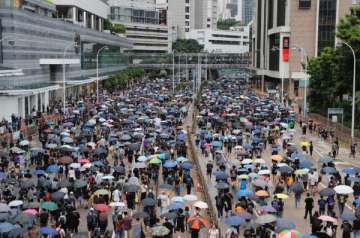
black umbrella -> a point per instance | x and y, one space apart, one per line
80 183
24 218
327 192
64 184
134 146
286 170
57 196
140 215
148 202
119 169
17 232
26 184
222 186
169 215
297 188
131 188
125 137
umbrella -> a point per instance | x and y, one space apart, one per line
245 215
169 164
131 188
26 184
64 184
347 217
155 161
190 197
264 219
276 157
169 215
260 183
297 188
65 160
284 224
148 202
290 234
222 186
102 207
51 206
25 218
166 186
140 215
234 221
201 204
33 205
220 175
102 192
244 193
329 170
125 137
177 199
305 164
286 169
325 159
301 171
80 183
16 232
247 161
57 196
327 219
343 189
262 193
67 140
196 222
142 158
176 205
327 192
351 170
48 231
16 203
268 209
24 143
5 227
31 211
181 159
52 168
75 165
186 165
117 204
159 231
264 172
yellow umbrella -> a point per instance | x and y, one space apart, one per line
154 161
262 193
277 158
102 192
243 176
154 156
305 143
281 196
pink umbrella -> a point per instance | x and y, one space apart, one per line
84 161
31 211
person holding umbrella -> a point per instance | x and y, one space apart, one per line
309 205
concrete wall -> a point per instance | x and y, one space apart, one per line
96 7
9 105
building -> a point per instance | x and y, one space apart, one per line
35 46
281 28
219 41
245 11
211 20
145 22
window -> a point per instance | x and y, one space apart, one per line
187 1
304 4
271 14
187 17
327 22
281 12
187 9
274 55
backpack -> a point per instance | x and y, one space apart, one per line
62 220
275 205
90 219
233 235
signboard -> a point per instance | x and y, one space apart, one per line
335 110
334 113
286 49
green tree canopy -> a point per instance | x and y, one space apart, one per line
225 24
187 46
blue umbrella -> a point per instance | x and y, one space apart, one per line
351 170
142 158
39 172
181 159
48 231
267 208
354 179
248 147
234 221
216 144
325 159
97 163
329 170
181 137
305 164
221 175
6 227
176 206
186 165
284 224
244 193
169 164
52 168
347 217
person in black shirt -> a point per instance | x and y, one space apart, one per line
347 229
170 226
209 168
309 205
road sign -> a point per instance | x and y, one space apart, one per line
335 110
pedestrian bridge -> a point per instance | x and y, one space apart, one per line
191 60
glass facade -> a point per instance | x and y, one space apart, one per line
327 24
281 12
274 52
271 14
129 15
258 34
108 57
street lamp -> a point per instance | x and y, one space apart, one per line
179 65
304 55
354 90
173 71
97 71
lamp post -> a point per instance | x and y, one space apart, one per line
186 68
179 73
304 55
173 71
97 72
354 91
64 78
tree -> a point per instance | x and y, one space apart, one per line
187 46
225 24
122 79
119 28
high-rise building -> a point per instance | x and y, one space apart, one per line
145 22
280 26
246 10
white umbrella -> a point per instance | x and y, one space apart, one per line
343 189
177 199
117 204
109 177
190 197
201 204
24 143
264 172
247 161
75 165
259 161
16 203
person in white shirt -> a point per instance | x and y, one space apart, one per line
116 195
213 232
